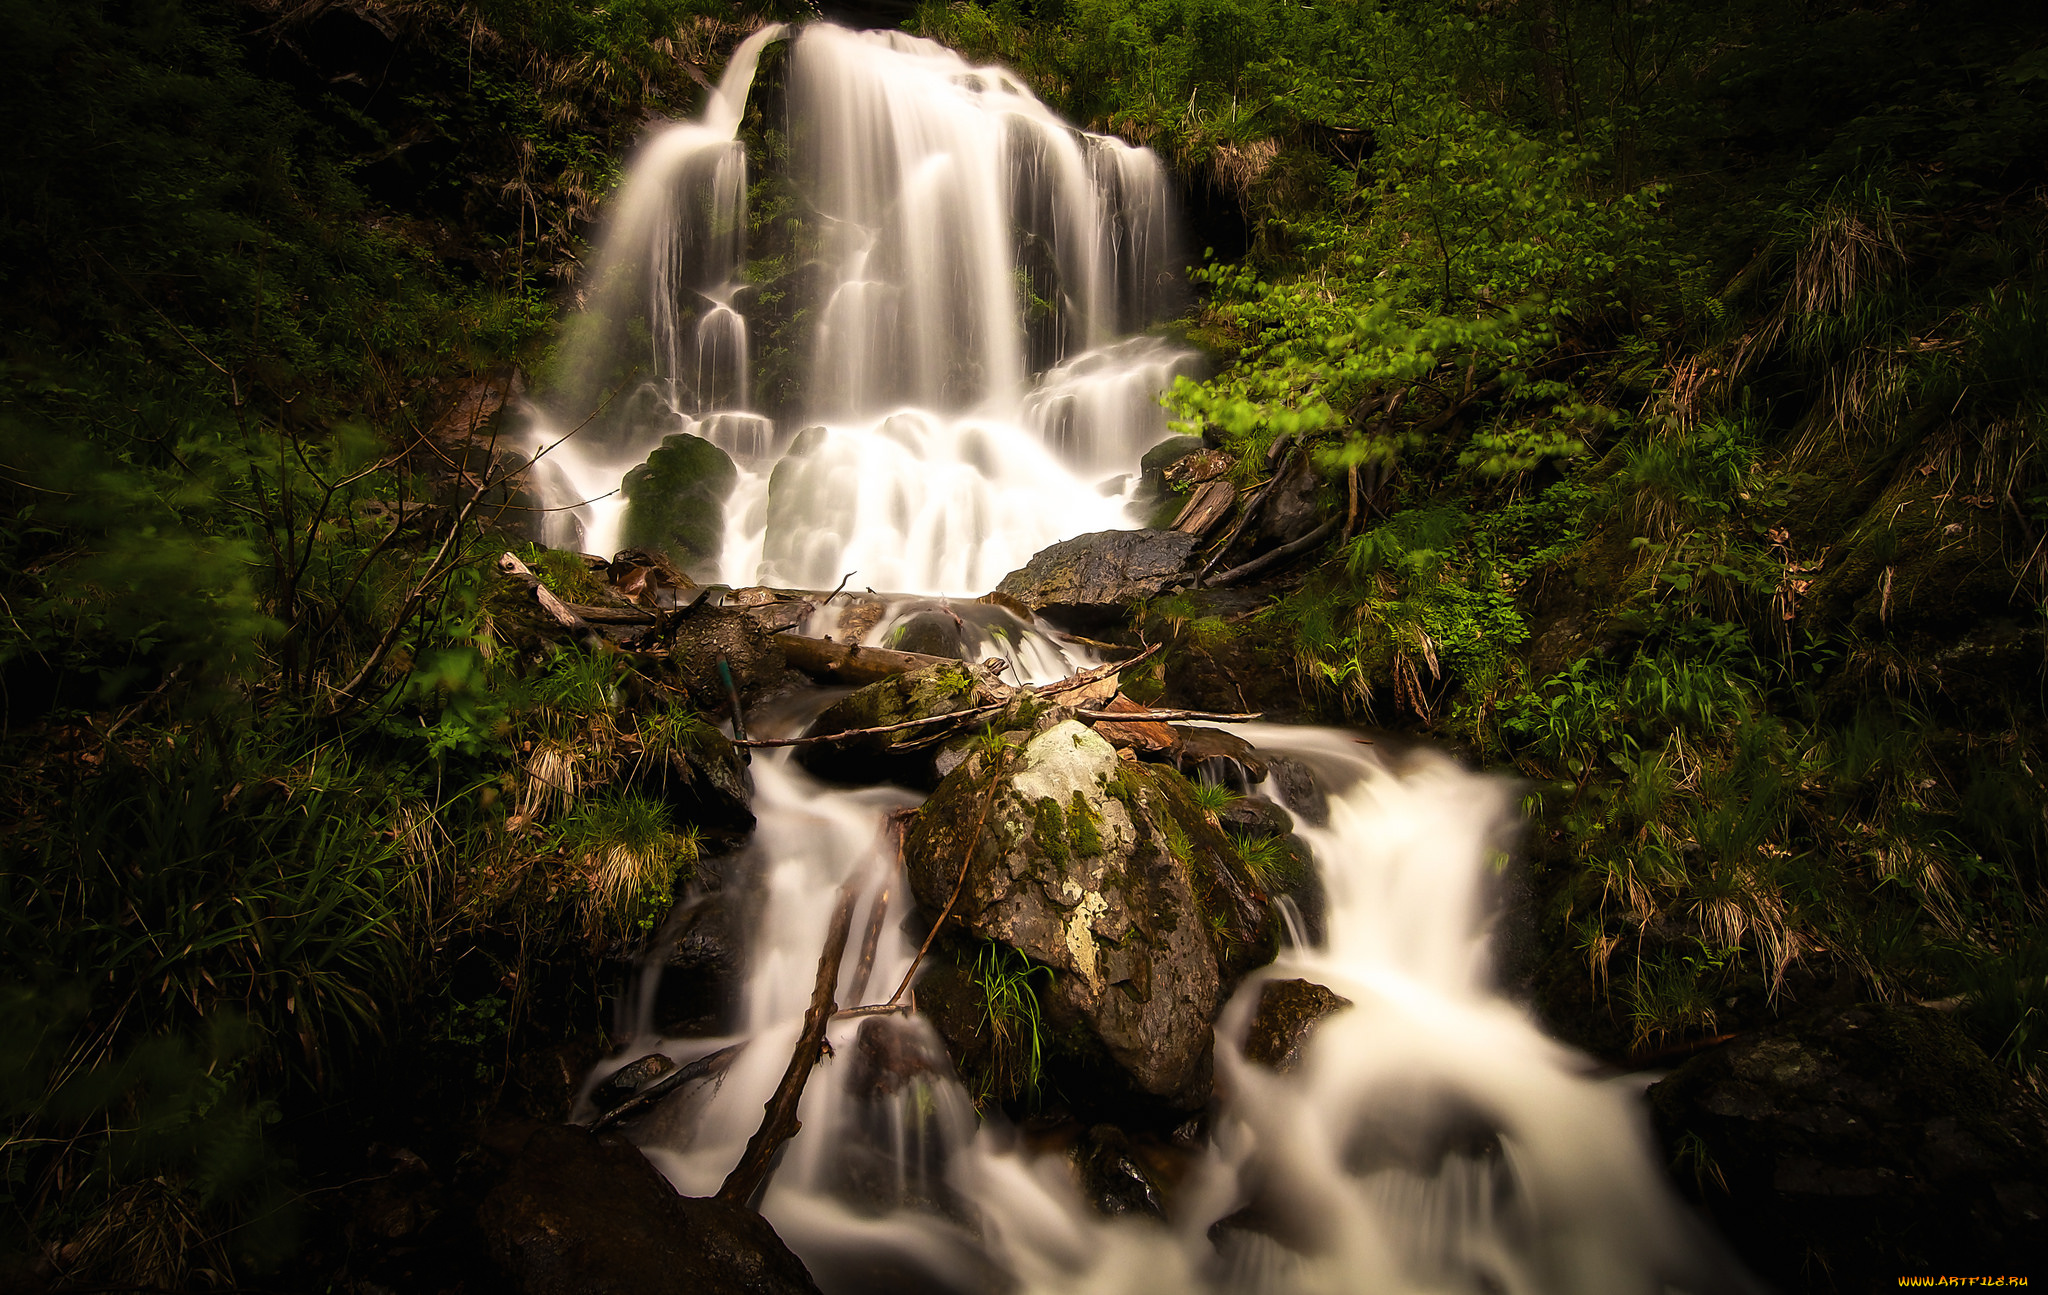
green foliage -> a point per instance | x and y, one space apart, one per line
1212 797
1012 1022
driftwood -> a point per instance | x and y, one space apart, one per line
564 615
1089 676
778 1120
1208 505
704 1067
844 734
1147 735
1275 557
830 662
1147 716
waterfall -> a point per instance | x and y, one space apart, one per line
977 384
975 277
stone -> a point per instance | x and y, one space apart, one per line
1152 467
675 503
1288 1013
1109 873
1256 817
1298 789
905 756
584 1214
931 633
1114 1178
705 781
1862 1142
1092 580
703 957
1218 755
630 1078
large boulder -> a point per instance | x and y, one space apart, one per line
1844 1148
675 502
583 1214
907 755
1109 873
1092 580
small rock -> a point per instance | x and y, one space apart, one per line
1092 580
905 756
630 1078
1112 1178
1288 1013
1256 817
1292 508
1225 757
1298 789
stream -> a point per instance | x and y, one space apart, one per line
979 385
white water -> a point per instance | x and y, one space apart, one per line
941 198
1432 1140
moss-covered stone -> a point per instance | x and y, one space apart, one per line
1110 874
908 756
675 502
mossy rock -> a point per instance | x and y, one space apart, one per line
1110 874
905 756
675 503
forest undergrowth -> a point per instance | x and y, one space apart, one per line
1676 372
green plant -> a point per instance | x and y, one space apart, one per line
1212 797
628 856
1007 984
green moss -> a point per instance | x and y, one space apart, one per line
1084 835
1050 829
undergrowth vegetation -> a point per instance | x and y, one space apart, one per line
1675 375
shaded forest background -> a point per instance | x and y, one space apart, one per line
1679 372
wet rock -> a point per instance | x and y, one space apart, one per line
907 755
1298 789
1106 871
704 780
703 965
932 633
1219 756
1152 468
675 502
1113 1178
1255 817
580 1214
903 1116
1092 580
1288 1013
629 1079
1841 1149
704 635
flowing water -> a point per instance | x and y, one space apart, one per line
978 378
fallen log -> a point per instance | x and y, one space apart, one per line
564 615
1146 735
778 1120
830 662
704 1067
1274 558
1143 716
846 733
1089 676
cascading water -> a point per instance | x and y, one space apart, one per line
980 267
974 270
